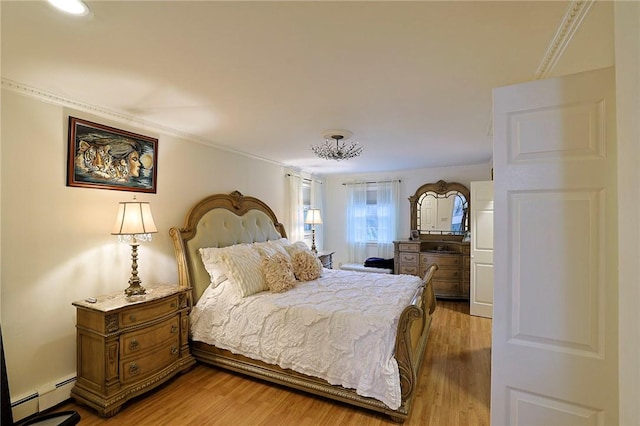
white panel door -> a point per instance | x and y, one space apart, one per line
481 297
554 351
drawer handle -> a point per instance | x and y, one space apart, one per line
132 318
133 345
174 350
134 369
174 329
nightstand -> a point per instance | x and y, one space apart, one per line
326 258
130 345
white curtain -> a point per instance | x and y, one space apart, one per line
295 208
317 202
357 222
363 242
388 203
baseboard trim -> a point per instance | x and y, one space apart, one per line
48 396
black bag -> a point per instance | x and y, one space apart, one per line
378 262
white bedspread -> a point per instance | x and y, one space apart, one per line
341 328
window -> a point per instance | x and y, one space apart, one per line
372 219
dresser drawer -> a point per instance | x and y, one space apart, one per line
136 368
446 287
141 314
409 247
441 260
447 274
409 258
141 340
408 270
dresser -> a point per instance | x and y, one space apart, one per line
451 280
127 346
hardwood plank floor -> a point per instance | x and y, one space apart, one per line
454 389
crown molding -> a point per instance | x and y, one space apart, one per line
573 16
52 98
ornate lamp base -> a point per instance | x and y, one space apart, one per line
134 288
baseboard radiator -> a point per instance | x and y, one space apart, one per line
46 396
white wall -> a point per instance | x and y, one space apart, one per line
335 224
56 245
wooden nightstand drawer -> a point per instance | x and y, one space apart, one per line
141 314
141 340
140 367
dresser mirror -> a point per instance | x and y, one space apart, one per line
440 208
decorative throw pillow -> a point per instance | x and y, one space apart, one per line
269 248
296 247
306 265
244 267
212 260
278 272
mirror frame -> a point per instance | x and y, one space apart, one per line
440 187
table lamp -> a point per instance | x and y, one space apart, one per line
313 218
134 224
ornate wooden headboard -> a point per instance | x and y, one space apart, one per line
220 220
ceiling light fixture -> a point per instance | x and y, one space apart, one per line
335 147
73 7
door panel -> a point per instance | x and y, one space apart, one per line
554 354
481 297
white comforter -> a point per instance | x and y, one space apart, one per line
340 328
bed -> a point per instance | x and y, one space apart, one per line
233 220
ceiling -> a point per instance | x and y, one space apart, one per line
411 80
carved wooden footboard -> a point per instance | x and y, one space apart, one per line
203 229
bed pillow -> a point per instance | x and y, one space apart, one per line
269 248
212 260
244 267
297 247
278 272
306 265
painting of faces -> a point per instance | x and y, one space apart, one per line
108 158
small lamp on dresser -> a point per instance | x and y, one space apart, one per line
313 218
133 225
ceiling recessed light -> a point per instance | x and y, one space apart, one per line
73 7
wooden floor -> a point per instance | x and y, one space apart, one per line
454 389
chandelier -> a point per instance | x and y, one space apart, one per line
335 146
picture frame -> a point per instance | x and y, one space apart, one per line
415 235
104 157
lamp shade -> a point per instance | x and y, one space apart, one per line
134 217
313 217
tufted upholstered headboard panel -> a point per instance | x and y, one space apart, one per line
218 221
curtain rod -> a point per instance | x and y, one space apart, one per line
377 181
303 178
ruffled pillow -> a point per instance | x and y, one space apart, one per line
306 265
296 247
278 272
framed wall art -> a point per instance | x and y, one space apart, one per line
107 158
